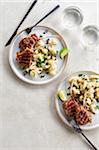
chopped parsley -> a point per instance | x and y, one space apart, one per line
97 80
97 106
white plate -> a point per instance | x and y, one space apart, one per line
64 85
61 63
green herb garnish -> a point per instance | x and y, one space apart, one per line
97 80
97 107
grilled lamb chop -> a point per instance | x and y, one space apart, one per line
25 58
78 112
28 42
83 116
70 107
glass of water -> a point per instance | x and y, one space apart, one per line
72 17
90 36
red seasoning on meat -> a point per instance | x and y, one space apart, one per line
35 37
28 42
25 57
78 112
70 107
83 116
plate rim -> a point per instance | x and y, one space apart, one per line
26 79
57 108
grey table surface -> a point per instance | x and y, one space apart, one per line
28 120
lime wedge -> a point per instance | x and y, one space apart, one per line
63 52
61 95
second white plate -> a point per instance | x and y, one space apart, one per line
64 86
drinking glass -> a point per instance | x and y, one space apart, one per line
72 17
90 36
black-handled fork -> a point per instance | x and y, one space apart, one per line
77 128
28 30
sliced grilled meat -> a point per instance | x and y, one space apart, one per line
70 107
28 42
83 116
25 57
35 37
78 112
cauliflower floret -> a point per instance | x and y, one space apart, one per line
94 77
52 42
86 78
33 73
44 51
73 79
75 91
40 43
88 94
52 51
92 108
84 85
97 92
74 83
97 84
88 101
52 69
81 98
80 80
52 72
50 62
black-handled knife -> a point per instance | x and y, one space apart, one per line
15 32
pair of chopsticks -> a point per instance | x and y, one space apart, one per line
28 30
